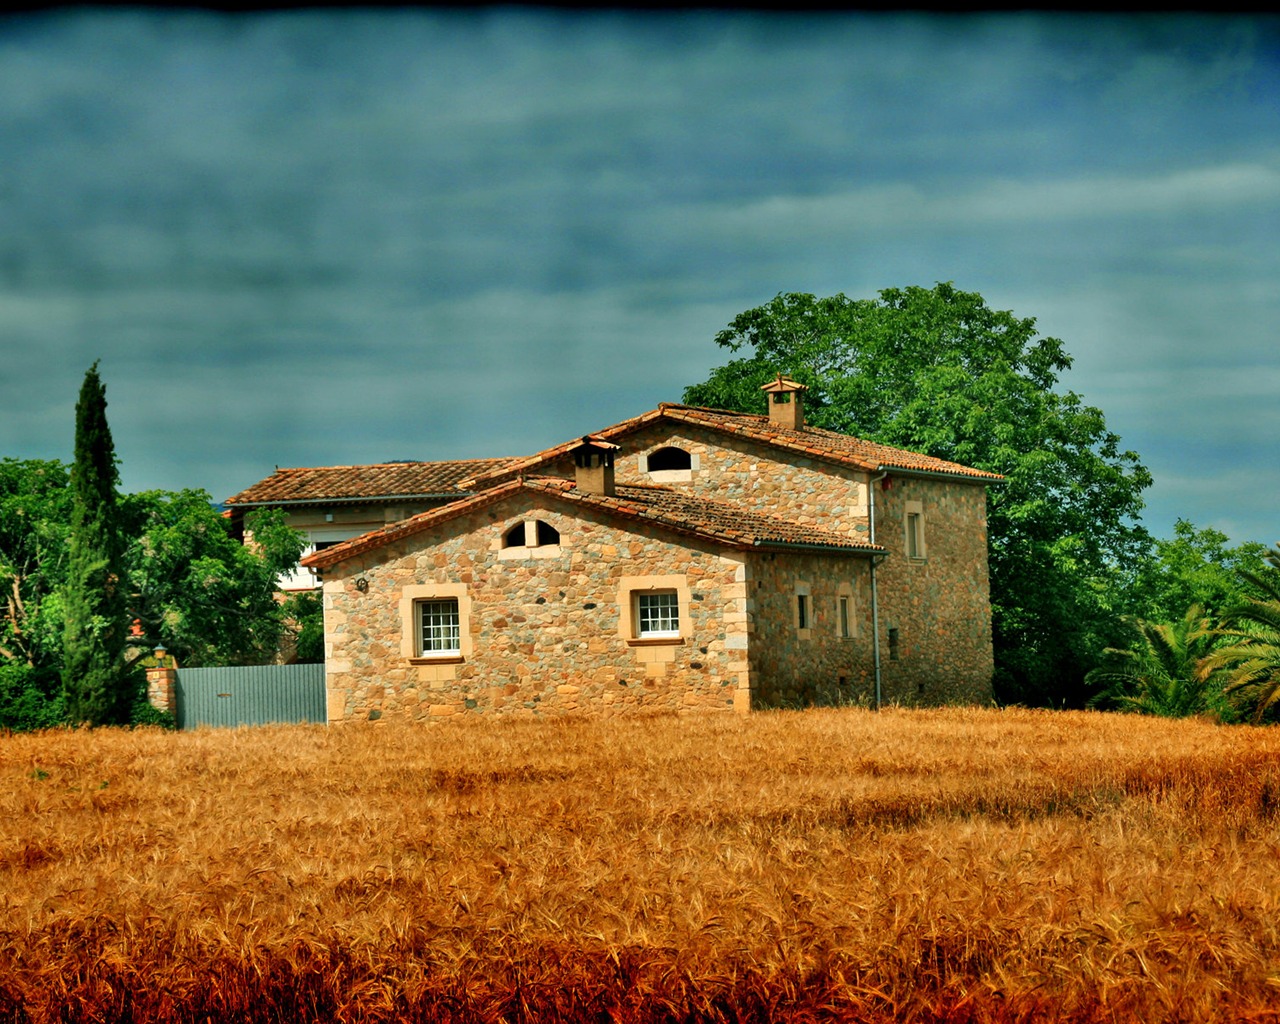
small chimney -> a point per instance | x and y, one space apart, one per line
785 407
593 462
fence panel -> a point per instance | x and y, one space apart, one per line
250 695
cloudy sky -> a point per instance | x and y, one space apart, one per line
324 237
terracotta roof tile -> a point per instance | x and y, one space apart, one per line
716 521
386 481
812 442
704 517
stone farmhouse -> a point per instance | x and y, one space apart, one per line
687 559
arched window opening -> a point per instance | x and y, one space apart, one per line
669 458
514 537
547 534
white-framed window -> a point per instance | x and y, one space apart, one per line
654 610
914 526
438 627
657 614
435 622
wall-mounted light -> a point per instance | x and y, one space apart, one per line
362 585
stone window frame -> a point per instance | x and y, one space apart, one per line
846 624
629 590
913 530
802 610
671 476
411 597
533 546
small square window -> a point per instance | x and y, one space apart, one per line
658 614
438 627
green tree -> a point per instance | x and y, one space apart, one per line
1251 657
193 587
209 599
94 680
304 619
937 371
1195 566
35 512
1163 673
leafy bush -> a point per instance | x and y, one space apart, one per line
29 699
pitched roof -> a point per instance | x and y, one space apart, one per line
811 442
715 521
385 481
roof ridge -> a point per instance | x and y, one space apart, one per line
398 462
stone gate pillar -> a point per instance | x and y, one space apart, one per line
162 683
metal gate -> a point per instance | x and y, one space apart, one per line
250 695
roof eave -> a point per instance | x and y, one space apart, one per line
939 474
831 549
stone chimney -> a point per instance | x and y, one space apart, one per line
785 406
593 462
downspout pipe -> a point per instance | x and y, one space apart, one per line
875 600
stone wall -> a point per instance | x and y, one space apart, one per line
940 604
734 469
546 633
793 665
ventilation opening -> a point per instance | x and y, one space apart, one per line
670 458
547 534
514 537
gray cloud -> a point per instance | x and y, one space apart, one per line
327 237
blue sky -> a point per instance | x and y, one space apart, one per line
330 237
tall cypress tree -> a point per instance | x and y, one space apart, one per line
93 676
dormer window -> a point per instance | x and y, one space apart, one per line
530 538
669 458
670 465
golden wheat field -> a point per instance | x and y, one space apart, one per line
951 865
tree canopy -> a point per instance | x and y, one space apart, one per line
208 598
192 586
1194 566
936 370
35 517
